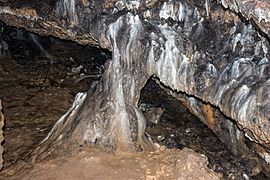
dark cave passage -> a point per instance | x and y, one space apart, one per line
39 78
171 124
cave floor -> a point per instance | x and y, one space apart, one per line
96 164
37 92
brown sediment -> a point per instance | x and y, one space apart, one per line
210 115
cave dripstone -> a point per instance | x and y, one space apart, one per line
215 52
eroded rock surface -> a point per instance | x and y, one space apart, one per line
256 11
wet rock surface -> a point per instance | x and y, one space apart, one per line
255 11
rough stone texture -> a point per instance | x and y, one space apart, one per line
256 11
1 136
195 47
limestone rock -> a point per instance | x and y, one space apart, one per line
256 11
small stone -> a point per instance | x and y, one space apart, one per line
157 145
160 138
162 148
188 130
150 178
245 177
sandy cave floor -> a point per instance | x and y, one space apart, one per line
95 164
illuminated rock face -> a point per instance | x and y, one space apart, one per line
193 47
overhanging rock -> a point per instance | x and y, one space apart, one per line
196 47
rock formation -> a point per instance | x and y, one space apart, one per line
211 55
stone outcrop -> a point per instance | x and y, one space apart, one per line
217 57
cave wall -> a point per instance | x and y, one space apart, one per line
255 11
197 47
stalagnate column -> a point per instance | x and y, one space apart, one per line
108 114
118 92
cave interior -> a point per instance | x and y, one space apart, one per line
41 75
